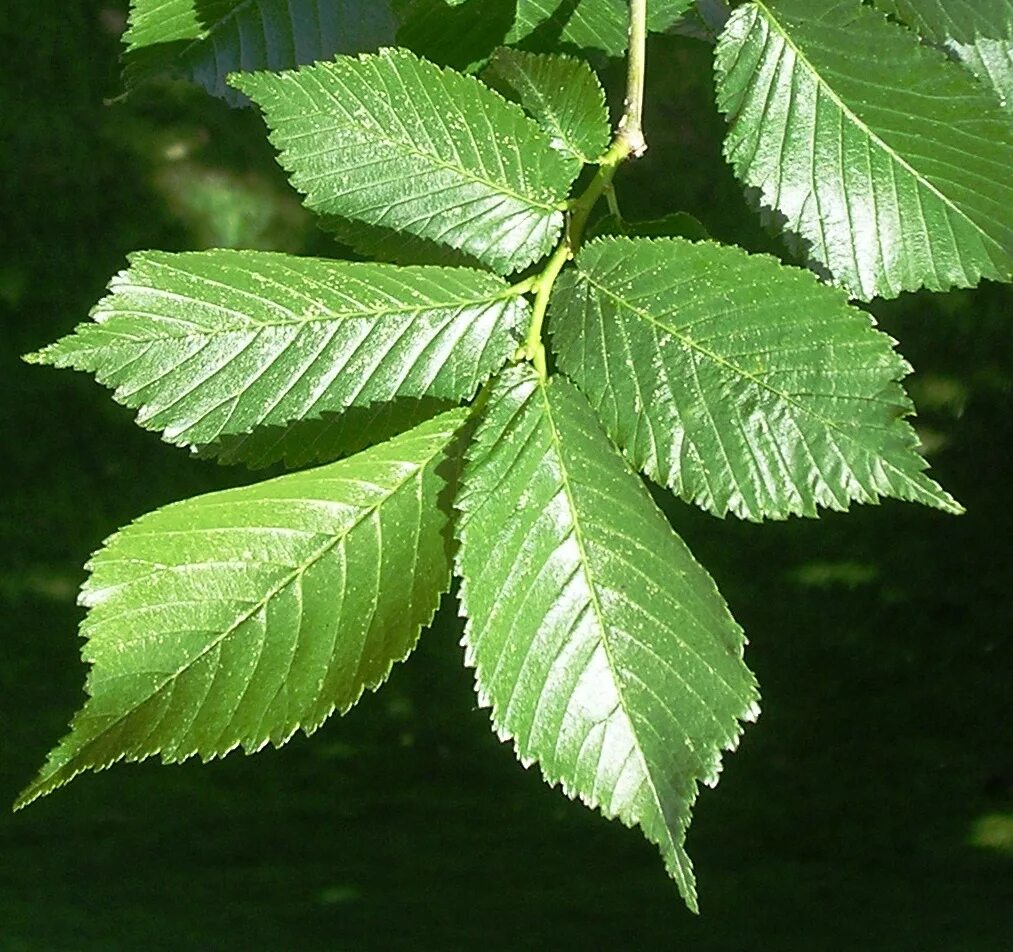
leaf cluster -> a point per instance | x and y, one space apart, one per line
487 394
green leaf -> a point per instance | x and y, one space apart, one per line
891 164
326 438
592 24
743 385
602 646
960 20
204 40
207 344
978 32
237 618
562 94
395 141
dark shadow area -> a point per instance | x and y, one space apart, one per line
325 438
461 36
869 808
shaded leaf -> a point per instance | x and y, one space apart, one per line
208 344
743 385
237 618
376 243
892 165
673 225
592 24
205 40
602 646
703 21
395 141
978 32
462 35
326 438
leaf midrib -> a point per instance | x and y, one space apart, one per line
857 121
507 294
39 787
412 149
598 610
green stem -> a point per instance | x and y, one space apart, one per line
631 127
629 141
534 348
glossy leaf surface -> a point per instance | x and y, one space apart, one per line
889 163
745 386
395 141
205 40
237 618
562 94
604 649
208 344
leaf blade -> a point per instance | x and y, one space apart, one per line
213 344
228 620
591 24
885 159
743 385
562 94
601 645
205 42
393 140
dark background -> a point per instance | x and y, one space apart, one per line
870 808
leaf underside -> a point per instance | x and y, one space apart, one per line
889 162
377 243
205 40
395 141
743 385
601 645
237 618
213 344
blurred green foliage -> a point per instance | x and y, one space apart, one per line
870 808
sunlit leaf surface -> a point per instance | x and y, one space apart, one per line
602 646
890 163
395 141
237 618
562 94
212 344
745 386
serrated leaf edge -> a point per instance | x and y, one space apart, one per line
942 499
683 875
87 598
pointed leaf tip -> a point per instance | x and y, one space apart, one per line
210 346
237 618
744 385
